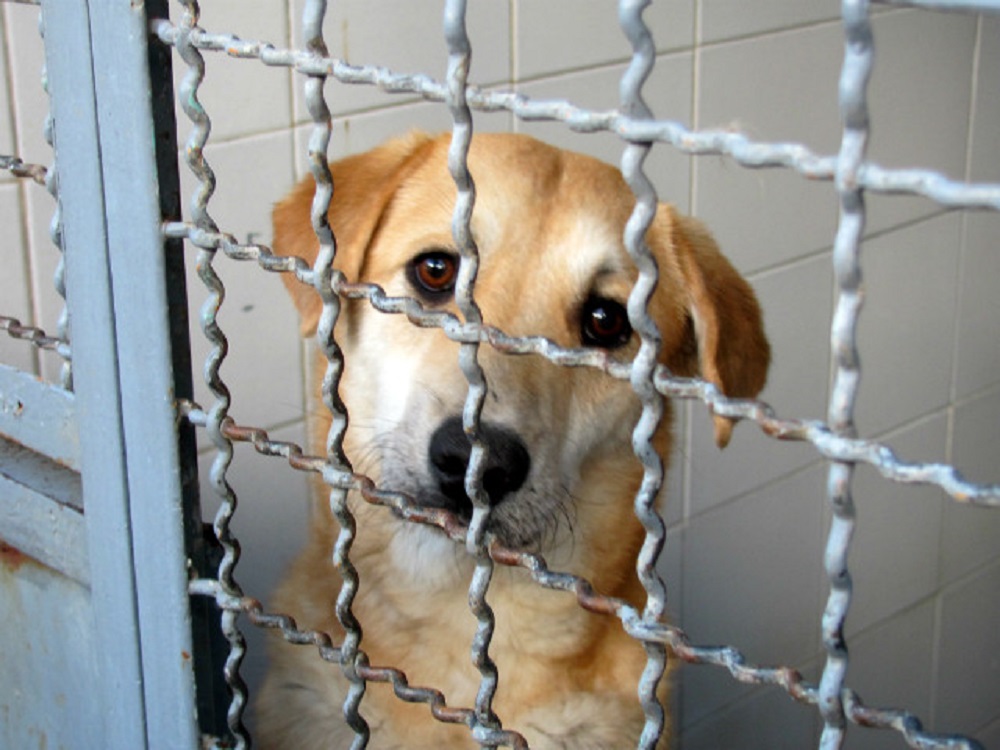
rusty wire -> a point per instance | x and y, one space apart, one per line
36 336
18 168
486 728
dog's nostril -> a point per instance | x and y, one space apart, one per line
507 463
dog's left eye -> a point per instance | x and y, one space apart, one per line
604 323
433 273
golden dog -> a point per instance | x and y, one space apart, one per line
560 474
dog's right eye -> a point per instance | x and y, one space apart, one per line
604 323
433 274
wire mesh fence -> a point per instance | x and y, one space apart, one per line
835 438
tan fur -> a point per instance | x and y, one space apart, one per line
548 224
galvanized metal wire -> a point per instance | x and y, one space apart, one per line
18 168
352 658
735 145
195 159
846 260
835 439
486 729
645 362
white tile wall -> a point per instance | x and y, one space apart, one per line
986 124
724 19
978 358
7 142
14 289
356 32
892 665
906 335
969 679
797 386
897 552
738 577
553 36
744 549
767 217
914 124
970 534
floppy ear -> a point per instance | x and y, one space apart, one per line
363 186
732 350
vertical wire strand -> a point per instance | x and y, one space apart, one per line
459 62
855 74
194 156
326 279
644 364
55 234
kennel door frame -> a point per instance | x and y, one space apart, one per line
116 267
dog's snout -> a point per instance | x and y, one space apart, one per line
507 463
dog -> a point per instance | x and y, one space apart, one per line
560 474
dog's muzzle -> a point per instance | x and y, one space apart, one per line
506 469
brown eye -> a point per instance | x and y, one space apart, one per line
604 323
433 273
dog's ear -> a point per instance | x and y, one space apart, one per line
724 317
364 185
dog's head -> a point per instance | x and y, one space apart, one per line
560 473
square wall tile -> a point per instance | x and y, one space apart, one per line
555 36
797 302
242 96
894 555
977 356
765 720
263 366
968 686
45 256
970 533
725 19
670 567
271 523
751 578
668 93
405 37
28 100
768 216
8 143
892 667
985 163
906 328
15 294
919 99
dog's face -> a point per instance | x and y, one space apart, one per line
559 474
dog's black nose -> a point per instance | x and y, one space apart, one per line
507 464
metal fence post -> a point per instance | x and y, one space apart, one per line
133 478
